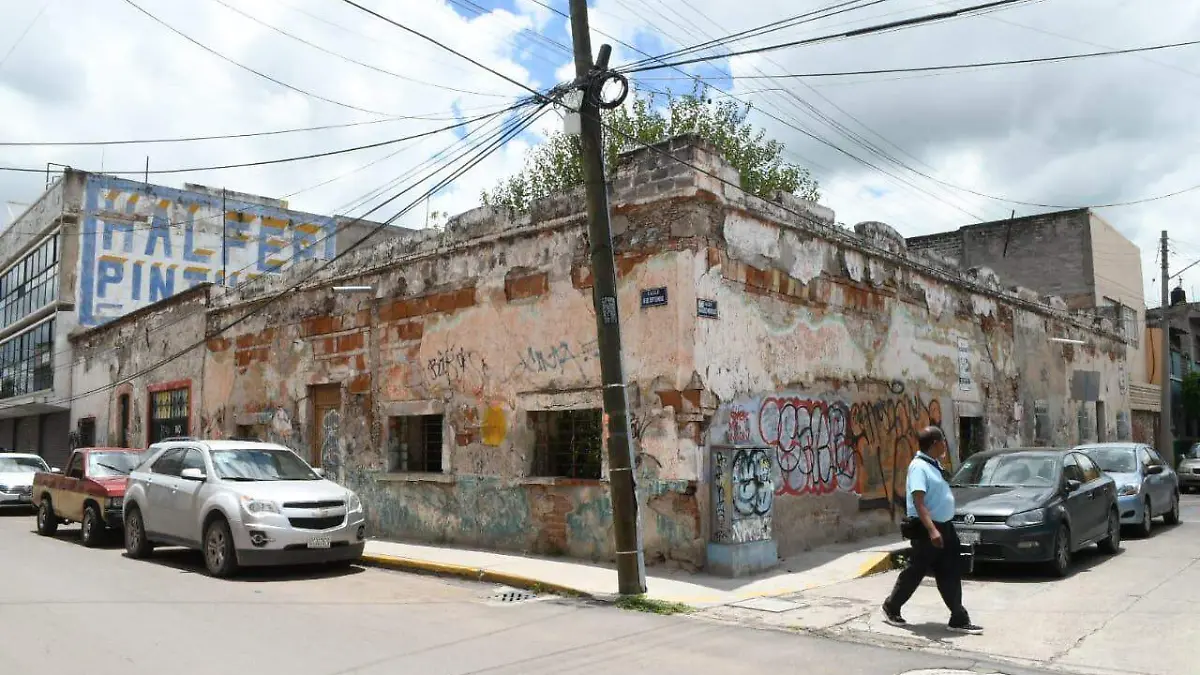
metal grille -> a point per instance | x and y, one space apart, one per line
325 504
168 414
415 443
316 523
568 443
506 595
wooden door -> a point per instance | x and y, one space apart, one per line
326 420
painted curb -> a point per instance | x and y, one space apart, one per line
471 573
883 561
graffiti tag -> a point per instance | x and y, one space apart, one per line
556 358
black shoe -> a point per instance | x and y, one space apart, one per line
893 618
968 628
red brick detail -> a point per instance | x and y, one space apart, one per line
319 326
219 344
410 330
169 386
448 301
531 286
581 277
628 261
714 257
349 343
360 362
361 384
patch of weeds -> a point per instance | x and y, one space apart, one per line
640 603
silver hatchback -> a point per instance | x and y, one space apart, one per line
241 503
1189 469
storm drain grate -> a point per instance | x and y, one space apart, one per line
507 596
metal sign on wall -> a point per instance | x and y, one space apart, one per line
706 308
964 364
654 297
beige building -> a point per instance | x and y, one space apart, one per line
461 395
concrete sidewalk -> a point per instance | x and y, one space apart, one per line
812 569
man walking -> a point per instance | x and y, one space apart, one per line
930 527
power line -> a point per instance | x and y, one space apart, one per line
248 69
254 134
870 30
349 59
21 37
283 160
260 304
959 66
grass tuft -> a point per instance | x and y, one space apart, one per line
640 603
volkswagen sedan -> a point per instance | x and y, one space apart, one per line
1037 505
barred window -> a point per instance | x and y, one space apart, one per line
568 443
169 414
415 443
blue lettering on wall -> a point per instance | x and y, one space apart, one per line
160 230
112 271
137 280
162 282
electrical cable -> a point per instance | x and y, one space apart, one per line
860 32
351 60
499 138
284 160
957 66
248 69
24 33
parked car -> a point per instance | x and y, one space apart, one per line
89 493
241 503
16 478
1034 505
1189 469
1146 486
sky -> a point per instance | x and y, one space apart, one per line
922 152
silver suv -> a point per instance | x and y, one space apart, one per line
243 504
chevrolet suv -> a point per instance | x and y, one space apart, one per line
242 504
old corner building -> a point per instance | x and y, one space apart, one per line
461 396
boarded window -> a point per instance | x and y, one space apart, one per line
415 443
1042 433
568 443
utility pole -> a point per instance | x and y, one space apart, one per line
1166 445
631 564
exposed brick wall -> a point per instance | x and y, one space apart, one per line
521 287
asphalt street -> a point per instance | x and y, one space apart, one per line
1133 613
65 608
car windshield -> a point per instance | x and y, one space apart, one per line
112 464
261 464
1113 460
1008 470
22 465
1194 453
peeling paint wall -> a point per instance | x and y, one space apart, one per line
826 347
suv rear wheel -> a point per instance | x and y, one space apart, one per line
219 555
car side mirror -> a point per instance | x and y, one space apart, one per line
1072 485
1155 469
192 474
320 472
56 470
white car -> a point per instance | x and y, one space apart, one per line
242 504
16 478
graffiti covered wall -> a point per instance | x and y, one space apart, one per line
142 243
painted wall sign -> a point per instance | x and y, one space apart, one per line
143 243
964 364
706 308
654 297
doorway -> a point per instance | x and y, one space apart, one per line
123 421
326 422
970 436
1101 426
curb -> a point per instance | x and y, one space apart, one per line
470 573
884 561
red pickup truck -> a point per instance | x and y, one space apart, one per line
90 492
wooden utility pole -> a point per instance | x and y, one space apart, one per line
1166 444
631 565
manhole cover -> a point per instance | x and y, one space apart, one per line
508 596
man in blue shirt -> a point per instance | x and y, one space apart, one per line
935 545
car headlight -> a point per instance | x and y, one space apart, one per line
353 503
116 502
257 506
1129 490
1027 518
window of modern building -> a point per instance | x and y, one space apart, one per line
27 361
31 284
169 414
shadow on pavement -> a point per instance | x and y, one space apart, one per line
1082 562
192 562
17 511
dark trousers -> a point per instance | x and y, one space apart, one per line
946 565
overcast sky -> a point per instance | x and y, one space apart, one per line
1093 131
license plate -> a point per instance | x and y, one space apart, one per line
27 499
319 542
968 538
